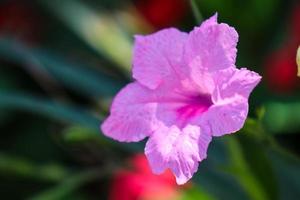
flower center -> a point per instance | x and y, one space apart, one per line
194 106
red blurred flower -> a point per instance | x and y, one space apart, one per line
18 20
281 71
163 13
295 23
281 67
141 184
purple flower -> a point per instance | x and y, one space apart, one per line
187 90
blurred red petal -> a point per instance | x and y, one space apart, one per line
281 70
295 22
142 184
164 13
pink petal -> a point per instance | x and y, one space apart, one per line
176 149
233 81
230 97
202 79
225 119
180 104
132 116
211 46
157 57
137 111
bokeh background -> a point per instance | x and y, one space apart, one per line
61 63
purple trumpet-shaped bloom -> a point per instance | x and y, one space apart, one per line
187 89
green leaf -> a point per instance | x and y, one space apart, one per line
67 187
196 193
260 112
212 177
15 166
248 174
77 134
98 30
59 111
82 79
263 171
288 175
229 9
282 117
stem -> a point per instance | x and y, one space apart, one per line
196 11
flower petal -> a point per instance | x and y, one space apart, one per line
232 82
230 97
157 58
178 150
211 46
137 111
132 115
225 119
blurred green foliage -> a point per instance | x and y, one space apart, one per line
64 95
